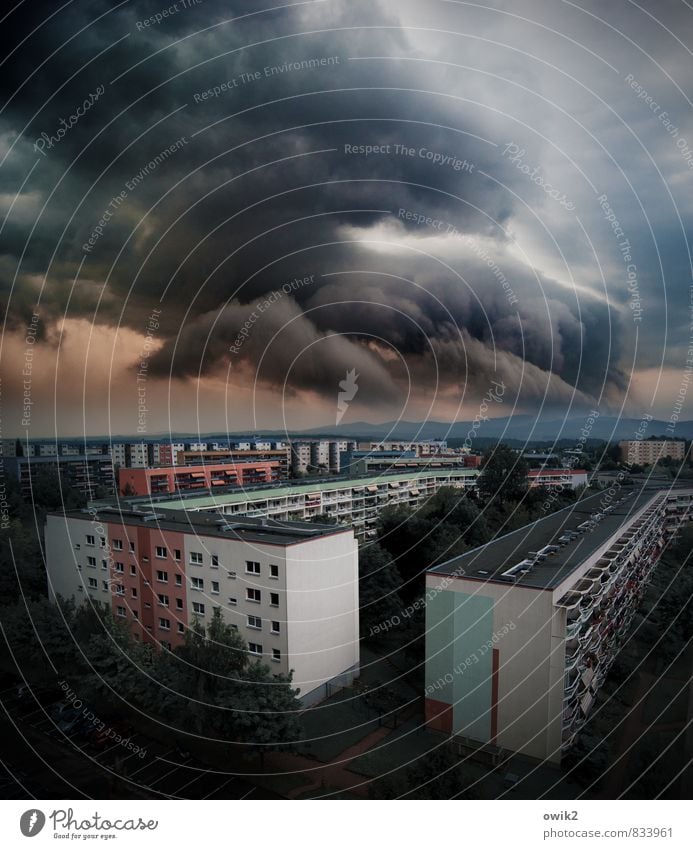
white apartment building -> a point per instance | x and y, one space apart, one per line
290 589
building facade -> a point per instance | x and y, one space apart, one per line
353 501
89 474
521 632
646 452
557 478
163 480
291 590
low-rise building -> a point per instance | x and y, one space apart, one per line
291 590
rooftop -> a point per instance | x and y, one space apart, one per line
566 531
210 524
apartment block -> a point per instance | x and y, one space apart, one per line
289 589
173 479
233 455
300 458
371 462
90 474
557 478
521 632
353 501
646 452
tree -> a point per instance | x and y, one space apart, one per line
504 475
438 774
231 697
379 582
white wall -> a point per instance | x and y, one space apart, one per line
322 607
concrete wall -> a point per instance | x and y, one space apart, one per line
322 607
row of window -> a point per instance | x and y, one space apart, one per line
255 622
252 567
256 648
116 544
165 625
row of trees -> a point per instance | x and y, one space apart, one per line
208 686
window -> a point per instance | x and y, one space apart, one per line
120 589
276 655
196 558
215 560
147 606
255 622
179 580
133 570
179 604
215 587
162 577
165 624
233 600
91 561
102 541
120 567
275 626
117 545
163 599
252 567
132 547
197 583
181 628
176 553
90 540
231 574
104 564
135 614
274 599
133 592
161 551
104 585
254 648
120 611
93 584
198 607
253 595
274 570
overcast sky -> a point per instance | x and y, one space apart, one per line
188 211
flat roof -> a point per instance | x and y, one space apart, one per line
260 493
207 524
489 561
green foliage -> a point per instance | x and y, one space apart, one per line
437 775
504 475
379 583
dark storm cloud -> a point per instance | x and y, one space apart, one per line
256 205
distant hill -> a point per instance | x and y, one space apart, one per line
515 427
524 428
